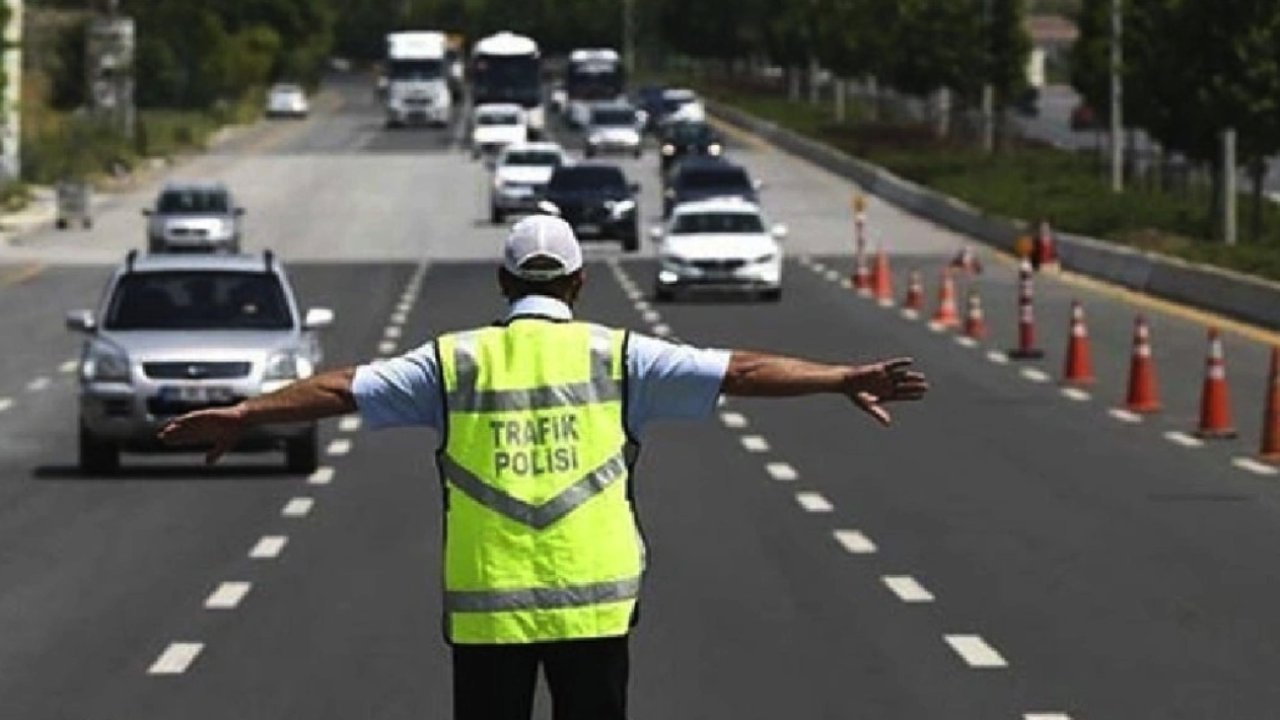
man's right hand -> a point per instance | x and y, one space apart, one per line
218 428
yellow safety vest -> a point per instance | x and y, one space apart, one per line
541 541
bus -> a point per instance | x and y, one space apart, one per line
507 68
592 75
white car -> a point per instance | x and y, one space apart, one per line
520 176
718 244
496 126
287 100
613 128
682 105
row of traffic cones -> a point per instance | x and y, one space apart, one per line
1142 395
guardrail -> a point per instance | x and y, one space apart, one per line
1225 292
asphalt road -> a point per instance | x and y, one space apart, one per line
1005 551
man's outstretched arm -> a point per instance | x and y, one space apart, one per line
320 396
867 386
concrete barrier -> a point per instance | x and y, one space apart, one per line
1233 294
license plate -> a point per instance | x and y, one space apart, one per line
588 228
194 394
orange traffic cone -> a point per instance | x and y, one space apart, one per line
1215 398
915 293
861 275
1079 365
1026 349
1046 247
1144 390
882 281
975 324
1271 419
946 316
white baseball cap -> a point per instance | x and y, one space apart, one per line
545 238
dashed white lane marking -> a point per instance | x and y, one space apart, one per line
341 446
404 308
733 420
322 476
650 316
298 507
349 423
227 596
634 294
907 588
1177 437
1125 415
1254 466
399 318
5 404
1034 375
782 472
910 314
975 651
832 275
661 330
998 357
386 347
392 332
1076 394
846 284
69 366
814 502
642 306
268 546
755 444
38 384
854 542
966 341
176 658
1046 716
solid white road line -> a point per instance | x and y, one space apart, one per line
966 341
5 404
782 472
1035 375
38 384
386 347
1076 394
1177 437
975 651
227 596
854 542
733 420
322 476
298 507
755 443
176 658
1257 468
268 546
69 366
1125 415
998 357
349 423
661 330
341 446
907 589
391 332
814 502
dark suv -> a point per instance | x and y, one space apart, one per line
685 139
700 178
596 199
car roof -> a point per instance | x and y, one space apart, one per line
590 165
496 108
717 204
679 94
533 147
194 186
703 162
200 262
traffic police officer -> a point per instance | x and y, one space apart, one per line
538 416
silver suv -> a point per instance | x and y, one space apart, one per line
180 332
194 217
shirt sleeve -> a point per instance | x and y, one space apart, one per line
667 381
401 391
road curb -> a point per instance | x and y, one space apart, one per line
1233 294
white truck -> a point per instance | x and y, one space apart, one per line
417 87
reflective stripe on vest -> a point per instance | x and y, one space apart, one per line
541 541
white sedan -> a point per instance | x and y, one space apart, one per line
496 126
520 177
287 100
718 244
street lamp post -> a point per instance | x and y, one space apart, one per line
1117 96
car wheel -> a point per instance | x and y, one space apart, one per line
97 456
154 246
60 223
638 152
589 152
771 295
662 294
88 224
496 215
631 242
302 454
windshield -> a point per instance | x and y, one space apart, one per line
727 178
717 222
176 202
587 178
594 80
687 133
287 90
197 300
498 119
613 117
500 78
541 158
415 69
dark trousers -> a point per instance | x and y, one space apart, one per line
587 678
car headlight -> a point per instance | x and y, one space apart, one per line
285 365
668 150
714 149
621 207
594 140
106 363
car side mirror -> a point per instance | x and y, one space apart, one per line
238 212
656 233
490 164
317 318
633 187
146 212
549 208
758 185
779 231
81 321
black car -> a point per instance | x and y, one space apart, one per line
649 101
686 139
596 199
699 178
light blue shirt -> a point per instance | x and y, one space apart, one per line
665 381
